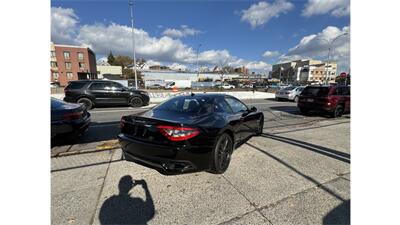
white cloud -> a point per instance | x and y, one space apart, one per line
103 38
260 13
182 32
316 46
270 54
177 66
63 25
337 8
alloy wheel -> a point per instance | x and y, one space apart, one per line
224 152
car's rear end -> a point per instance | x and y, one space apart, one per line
74 89
169 147
285 93
68 118
170 140
316 98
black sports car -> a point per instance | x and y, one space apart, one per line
189 133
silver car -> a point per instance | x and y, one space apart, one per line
289 93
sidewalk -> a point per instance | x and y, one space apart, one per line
290 179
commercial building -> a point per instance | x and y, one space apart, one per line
242 70
69 63
104 70
304 71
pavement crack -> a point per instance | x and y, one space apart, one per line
300 192
102 187
251 203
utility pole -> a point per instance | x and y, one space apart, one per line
133 44
198 47
329 53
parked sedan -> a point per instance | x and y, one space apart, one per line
289 93
68 118
189 133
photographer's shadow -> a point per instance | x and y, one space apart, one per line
125 209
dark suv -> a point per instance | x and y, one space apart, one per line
104 92
334 100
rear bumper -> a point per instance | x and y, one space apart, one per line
315 107
70 127
167 160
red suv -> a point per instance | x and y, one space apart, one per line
334 100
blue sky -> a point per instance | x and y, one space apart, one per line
231 32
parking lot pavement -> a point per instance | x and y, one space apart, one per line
297 172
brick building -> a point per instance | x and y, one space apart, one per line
69 63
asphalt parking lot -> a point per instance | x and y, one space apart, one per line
297 172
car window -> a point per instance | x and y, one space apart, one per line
188 104
236 105
76 85
116 86
289 88
315 91
222 106
99 86
342 91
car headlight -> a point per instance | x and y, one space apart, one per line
144 93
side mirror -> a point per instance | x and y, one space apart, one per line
253 109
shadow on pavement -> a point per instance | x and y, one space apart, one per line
338 215
335 154
97 132
294 111
287 165
125 209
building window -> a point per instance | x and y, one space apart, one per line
53 64
53 54
66 55
70 76
55 75
68 65
82 65
80 55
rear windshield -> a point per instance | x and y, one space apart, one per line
76 85
289 88
190 105
315 91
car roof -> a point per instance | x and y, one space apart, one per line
215 95
88 81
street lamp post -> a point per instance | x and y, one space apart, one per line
329 53
198 69
133 44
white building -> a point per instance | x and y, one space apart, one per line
107 69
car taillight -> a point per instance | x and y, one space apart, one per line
73 116
175 133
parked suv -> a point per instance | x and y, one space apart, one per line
334 100
104 92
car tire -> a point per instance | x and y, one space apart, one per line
296 99
338 112
222 153
136 102
88 104
304 111
260 126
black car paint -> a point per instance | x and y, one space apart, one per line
120 96
60 126
146 146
